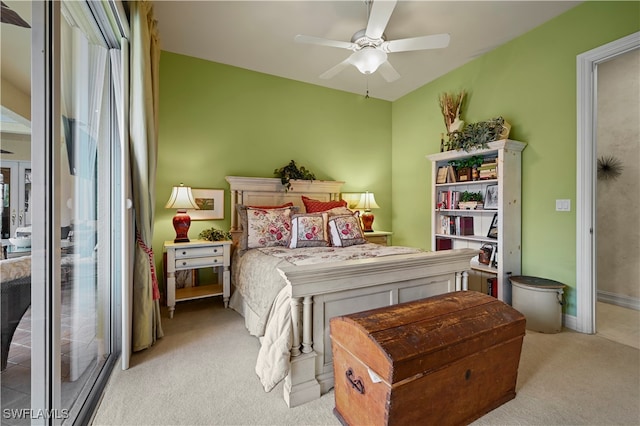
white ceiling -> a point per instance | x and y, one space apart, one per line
258 35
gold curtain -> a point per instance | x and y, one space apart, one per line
143 134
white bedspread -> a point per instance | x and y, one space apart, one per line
264 291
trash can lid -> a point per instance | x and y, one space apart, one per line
536 282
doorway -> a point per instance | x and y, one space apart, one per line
617 193
587 230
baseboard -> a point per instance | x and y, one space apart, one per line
619 300
570 322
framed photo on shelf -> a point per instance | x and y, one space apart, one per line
493 229
211 203
491 197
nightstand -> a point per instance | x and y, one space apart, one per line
379 237
198 254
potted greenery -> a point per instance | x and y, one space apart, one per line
470 200
464 167
290 172
478 135
213 234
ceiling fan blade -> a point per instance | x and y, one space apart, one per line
9 16
381 11
437 41
331 72
300 38
388 72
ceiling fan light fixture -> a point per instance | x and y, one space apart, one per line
368 59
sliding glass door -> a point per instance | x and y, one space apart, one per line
76 202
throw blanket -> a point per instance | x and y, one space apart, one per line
15 268
269 298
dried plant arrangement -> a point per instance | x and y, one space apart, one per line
450 106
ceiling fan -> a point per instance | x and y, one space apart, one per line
9 16
370 46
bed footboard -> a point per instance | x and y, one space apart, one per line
319 293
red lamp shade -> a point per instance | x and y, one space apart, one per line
182 199
367 202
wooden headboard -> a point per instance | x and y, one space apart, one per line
253 191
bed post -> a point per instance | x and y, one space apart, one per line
295 326
462 281
301 385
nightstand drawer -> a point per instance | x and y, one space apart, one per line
197 262
199 251
382 240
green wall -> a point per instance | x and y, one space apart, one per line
217 120
531 82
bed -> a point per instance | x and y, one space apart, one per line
288 295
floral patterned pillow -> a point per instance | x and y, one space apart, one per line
243 214
345 231
309 230
268 227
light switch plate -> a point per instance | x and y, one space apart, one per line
563 205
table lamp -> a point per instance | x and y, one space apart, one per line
182 199
367 202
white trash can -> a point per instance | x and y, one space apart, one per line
540 301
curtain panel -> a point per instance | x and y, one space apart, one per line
143 134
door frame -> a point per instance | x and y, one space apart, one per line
586 236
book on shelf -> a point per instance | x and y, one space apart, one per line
488 171
448 199
456 225
451 175
443 244
492 287
444 225
493 158
466 225
442 175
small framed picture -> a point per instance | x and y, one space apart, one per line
491 197
493 229
210 203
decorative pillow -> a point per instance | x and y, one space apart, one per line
257 225
341 211
315 206
345 231
309 230
289 204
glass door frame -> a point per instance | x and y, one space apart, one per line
46 391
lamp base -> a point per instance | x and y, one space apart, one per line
181 223
367 221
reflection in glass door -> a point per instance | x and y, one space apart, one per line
85 197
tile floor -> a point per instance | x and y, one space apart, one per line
16 378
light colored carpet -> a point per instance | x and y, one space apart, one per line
202 372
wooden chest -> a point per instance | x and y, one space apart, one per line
443 360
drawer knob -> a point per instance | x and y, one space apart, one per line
355 383
184 253
215 250
184 263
